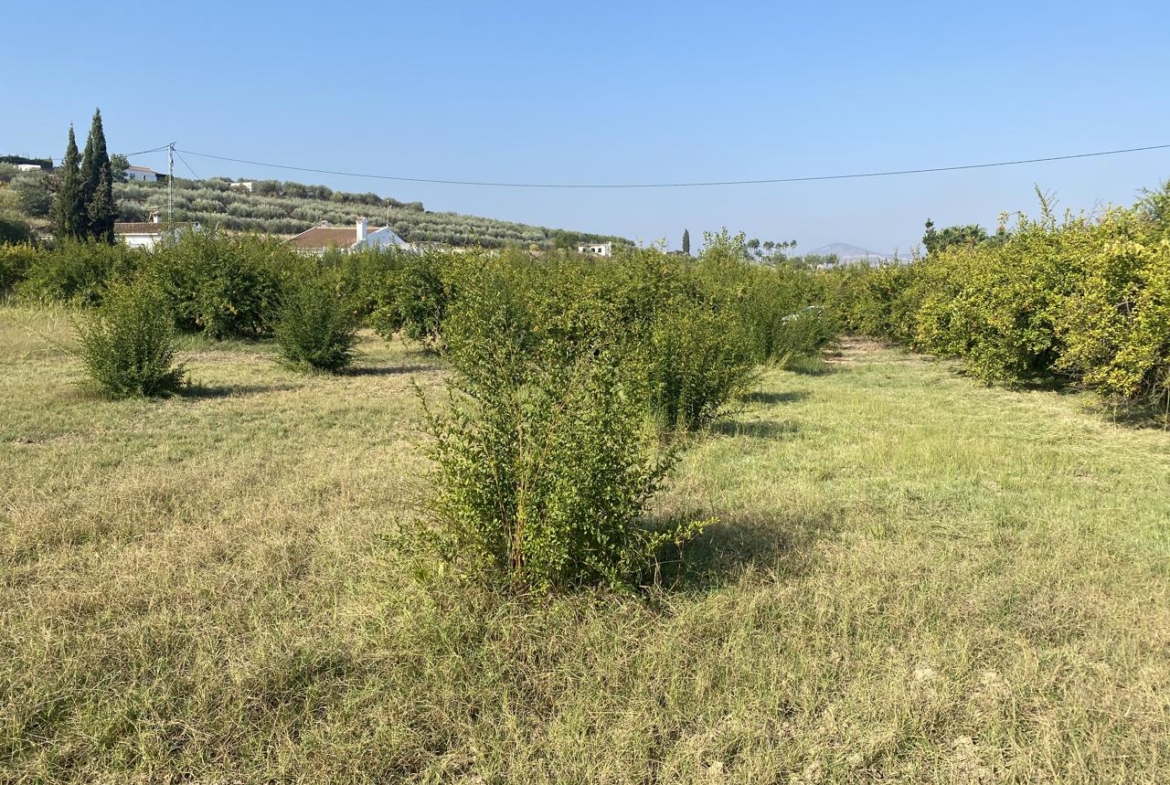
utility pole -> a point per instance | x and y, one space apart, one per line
171 183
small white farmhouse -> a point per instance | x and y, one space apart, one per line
321 238
143 174
148 234
597 249
28 167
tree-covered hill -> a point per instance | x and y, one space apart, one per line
287 208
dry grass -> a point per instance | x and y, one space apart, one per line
916 579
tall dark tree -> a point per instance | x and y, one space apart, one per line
98 192
101 209
69 214
686 248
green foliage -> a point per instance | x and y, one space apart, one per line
288 208
15 261
315 326
119 165
696 361
97 185
34 197
935 241
69 219
546 460
416 293
78 272
127 346
1116 326
1077 300
226 287
14 231
686 242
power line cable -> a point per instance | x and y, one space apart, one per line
144 152
189 169
713 183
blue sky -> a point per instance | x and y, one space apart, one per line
621 92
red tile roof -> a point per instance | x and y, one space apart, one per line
329 236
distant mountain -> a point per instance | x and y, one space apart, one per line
850 254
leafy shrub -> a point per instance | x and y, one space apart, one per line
1115 327
226 287
315 329
77 273
15 261
127 346
696 363
14 231
413 296
546 463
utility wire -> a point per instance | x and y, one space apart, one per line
144 152
854 176
189 169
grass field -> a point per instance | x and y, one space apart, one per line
915 579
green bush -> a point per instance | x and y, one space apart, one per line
1116 326
418 292
696 362
14 231
316 328
546 463
15 262
127 346
226 287
77 273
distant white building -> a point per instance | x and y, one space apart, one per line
246 185
148 234
28 167
143 174
321 238
597 249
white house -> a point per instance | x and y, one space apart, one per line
29 167
597 249
148 234
321 238
143 174
246 185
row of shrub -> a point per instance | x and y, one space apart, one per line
1080 299
572 376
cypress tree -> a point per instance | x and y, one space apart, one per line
687 241
98 195
69 218
101 209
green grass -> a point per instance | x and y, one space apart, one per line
915 579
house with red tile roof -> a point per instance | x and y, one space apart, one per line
321 238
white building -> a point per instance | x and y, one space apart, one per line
321 238
246 185
28 167
597 249
143 174
148 234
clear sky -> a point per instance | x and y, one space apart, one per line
620 92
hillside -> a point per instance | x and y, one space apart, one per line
287 208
